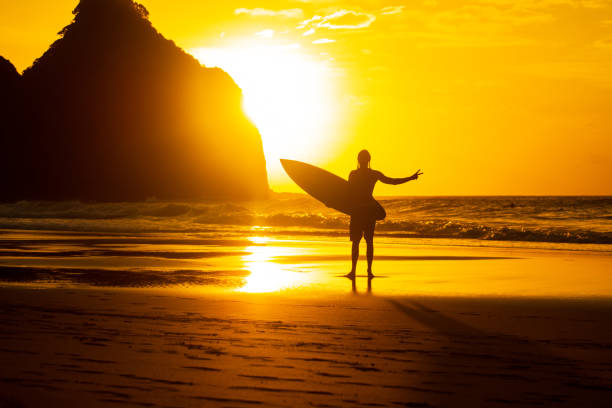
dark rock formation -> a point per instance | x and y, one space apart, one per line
11 113
113 111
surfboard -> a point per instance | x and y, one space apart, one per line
331 190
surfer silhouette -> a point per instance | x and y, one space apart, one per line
363 218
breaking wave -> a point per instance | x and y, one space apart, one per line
533 219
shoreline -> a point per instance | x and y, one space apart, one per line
260 263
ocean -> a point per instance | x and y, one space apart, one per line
552 220
436 245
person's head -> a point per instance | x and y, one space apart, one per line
363 159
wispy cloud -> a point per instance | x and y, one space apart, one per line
269 33
541 4
309 32
262 12
392 10
341 19
323 41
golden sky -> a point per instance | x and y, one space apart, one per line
485 96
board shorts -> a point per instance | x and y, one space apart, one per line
362 225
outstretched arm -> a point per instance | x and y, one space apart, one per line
395 181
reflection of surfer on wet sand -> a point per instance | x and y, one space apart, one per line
364 215
354 283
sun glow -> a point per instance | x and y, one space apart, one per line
267 275
287 94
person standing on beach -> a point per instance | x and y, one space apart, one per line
361 186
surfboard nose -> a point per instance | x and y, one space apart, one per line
290 166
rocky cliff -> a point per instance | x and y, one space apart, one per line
113 111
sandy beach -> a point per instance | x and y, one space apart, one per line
184 187
270 321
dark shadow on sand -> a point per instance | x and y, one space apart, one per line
433 318
491 368
123 278
122 253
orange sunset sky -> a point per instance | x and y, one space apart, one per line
485 96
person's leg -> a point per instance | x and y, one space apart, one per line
370 255
355 232
369 237
354 256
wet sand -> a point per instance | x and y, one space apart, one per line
274 324
163 349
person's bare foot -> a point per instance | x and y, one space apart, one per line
351 274
370 274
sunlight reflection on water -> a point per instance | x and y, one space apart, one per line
267 275
296 265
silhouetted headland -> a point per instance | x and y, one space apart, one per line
113 111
